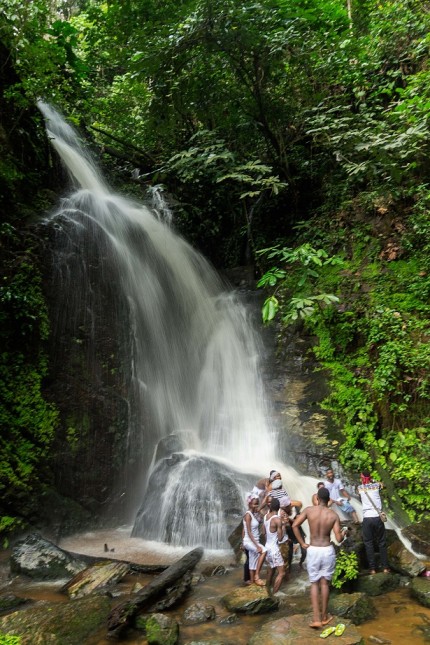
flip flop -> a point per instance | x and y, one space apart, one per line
327 631
339 629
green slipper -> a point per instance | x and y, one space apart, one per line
327 631
339 629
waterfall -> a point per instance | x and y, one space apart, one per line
199 431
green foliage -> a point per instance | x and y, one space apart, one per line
347 568
9 639
301 261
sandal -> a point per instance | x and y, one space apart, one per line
327 631
339 629
259 582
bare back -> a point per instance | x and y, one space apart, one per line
322 520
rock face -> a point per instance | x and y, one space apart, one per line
70 623
419 535
357 607
420 590
250 600
404 561
41 559
295 630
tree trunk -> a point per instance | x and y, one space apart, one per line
120 617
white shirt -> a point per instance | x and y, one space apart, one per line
372 490
334 489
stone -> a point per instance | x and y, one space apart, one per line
198 613
96 579
420 590
250 600
160 629
295 630
404 561
41 559
377 584
229 620
419 536
10 601
68 623
357 607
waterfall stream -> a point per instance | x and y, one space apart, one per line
199 424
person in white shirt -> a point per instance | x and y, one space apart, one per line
339 496
373 528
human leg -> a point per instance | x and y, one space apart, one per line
279 577
381 540
261 558
368 537
315 602
325 593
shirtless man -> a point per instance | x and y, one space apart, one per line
321 556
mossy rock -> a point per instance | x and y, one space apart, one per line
357 607
159 629
250 600
70 623
420 590
377 584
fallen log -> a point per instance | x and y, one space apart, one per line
121 615
95 578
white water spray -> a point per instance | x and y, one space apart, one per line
199 425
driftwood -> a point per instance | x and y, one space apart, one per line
121 616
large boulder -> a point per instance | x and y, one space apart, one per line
420 590
250 600
41 559
357 607
69 623
419 536
377 584
295 630
404 561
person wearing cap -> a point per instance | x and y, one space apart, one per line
321 556
373 528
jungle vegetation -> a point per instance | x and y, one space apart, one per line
293 135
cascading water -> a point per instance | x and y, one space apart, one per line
199 433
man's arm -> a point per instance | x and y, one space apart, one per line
298 522
280 528
336 530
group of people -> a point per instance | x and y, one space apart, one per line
273 522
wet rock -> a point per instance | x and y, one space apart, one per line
357 607
96 579
198 613
420 590
70 623
404 561
377 584
295 630
10 601
379 640
212 570
229 620
159 628
419 535
250 600
41 559
235 540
